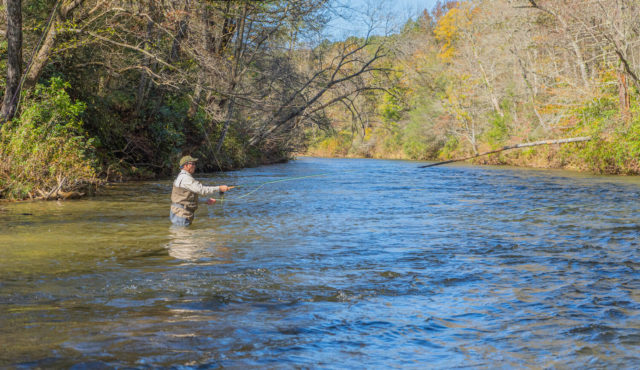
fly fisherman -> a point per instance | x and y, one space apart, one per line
184 196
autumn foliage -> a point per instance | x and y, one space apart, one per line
478 75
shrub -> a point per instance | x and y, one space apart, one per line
45 152
498 132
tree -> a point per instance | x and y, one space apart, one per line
61 13
600 33
14 59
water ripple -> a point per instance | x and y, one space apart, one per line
375 264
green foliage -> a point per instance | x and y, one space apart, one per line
449 148
391 109
166 130
498 131
141 114
3 62
420 140
615 148
392 141
415 146
598 116
618 153
47 146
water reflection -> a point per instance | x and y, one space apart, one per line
196 245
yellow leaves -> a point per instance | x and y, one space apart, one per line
455 105
448 30
460 98
368 133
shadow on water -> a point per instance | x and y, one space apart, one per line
373 264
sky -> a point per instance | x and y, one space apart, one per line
353 17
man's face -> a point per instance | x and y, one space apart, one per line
190 167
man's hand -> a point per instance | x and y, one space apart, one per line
211 201
223 188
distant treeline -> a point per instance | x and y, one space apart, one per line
473 76
99 90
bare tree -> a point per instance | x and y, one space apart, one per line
561 13
599 33
341 72
613 28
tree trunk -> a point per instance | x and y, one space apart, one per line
239 48
182 28
577 51
41 58
146 62
14 59
227 122
531 88
625 101
580 60
487 83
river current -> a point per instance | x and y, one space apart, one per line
348 263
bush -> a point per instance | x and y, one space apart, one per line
613 149
498 132
46 151
449 148
332 144
419 143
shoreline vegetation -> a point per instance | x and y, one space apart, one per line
551 157
476 76
98 92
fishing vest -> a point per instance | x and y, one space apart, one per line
183 202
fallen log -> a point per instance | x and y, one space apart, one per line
57 193
60 195
516 146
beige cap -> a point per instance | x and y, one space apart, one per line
186 159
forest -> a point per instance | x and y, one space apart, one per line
111 90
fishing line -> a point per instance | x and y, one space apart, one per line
260 185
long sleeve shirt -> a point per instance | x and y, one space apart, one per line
186 181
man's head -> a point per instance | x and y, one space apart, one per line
188 163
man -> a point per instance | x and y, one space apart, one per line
184 196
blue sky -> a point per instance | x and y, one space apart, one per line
412 6
353 17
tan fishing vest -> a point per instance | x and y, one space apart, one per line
183 202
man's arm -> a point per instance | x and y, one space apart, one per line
195 186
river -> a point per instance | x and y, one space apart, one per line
349 263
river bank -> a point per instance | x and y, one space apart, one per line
602 157
61 147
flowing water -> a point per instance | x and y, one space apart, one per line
374 264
